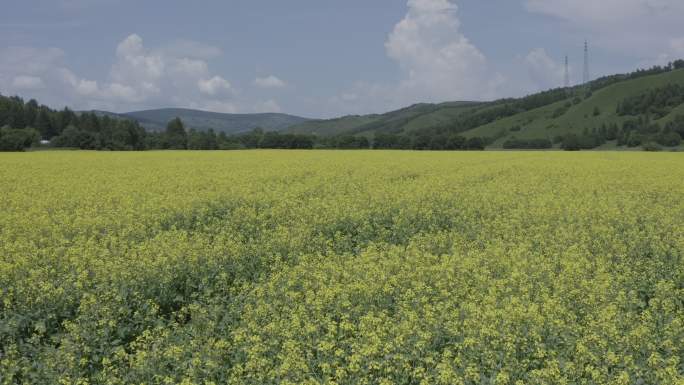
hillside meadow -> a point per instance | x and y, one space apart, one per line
341 267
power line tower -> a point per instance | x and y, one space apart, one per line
567 73
586 63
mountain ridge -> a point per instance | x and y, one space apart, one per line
156 119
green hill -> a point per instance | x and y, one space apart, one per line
406 119
550 115
543 122
156 120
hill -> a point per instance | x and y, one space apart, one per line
657 93
404 120
156 120
578 113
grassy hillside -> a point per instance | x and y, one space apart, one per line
541 123
406 119
156 120
547 115
335 126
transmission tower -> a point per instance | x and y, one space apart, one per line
586 62
567 73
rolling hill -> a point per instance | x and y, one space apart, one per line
406 119
156 120
543 123
547 115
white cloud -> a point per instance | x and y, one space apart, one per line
213 86
25 82
192 68
81 86
544 71
270 81
123 92
86 87
438 63
140 77
135 64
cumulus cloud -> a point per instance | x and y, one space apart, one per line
81 86
34 73
437 61
213 86
270 81
140 77
137 66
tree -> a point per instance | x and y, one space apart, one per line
669 139
634 139
253 138
176 137
422 142
677 125
475 143
44 125
571 143
455 142
17 140
530 144
210 141
30 112
438 142
73 137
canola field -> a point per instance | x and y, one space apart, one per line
334 267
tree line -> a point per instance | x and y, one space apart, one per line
23 124
26 124
633 133
606 81
657 102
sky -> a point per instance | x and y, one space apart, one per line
319 58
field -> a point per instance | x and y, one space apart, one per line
333 267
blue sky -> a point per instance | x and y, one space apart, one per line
318 58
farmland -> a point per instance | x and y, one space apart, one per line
341 267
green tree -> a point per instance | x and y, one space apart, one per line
176 137
571 143
475 143
455 142
44 125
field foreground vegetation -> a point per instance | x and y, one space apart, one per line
320 267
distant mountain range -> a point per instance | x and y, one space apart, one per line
156 120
